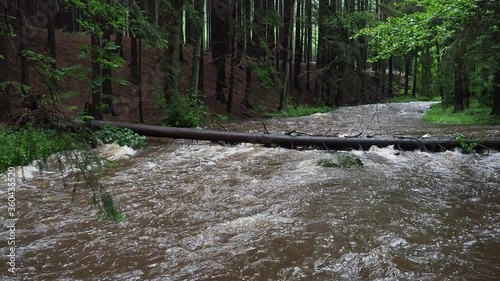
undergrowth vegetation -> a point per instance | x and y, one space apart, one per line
299 111
475 114
20 146
181 111
408 98
120 136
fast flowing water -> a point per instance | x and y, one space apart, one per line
202 211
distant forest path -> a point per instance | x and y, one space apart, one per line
382 119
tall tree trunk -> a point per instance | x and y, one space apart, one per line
191 25
285 94
415 72
287 28
220 29
141 115
152 11
5 66
51 30
107 86
426 87
24 45
496 82
96 85
496 94
232 50
322 52
197 52
298 48
466 94
309 45
134 66
172 68
459 90
270 30
248 52
119 43
407 75
391 78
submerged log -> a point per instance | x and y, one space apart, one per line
320 142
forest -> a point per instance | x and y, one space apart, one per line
185 59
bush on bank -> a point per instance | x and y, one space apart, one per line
476 114
20 146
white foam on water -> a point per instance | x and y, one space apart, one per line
115 152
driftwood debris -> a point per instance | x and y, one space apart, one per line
334 143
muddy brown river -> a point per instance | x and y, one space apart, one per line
203 211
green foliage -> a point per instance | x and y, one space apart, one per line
426 22
221 118
409 98
265 72
109 209
20 146
120 136
341 160
184 112
467 147
299 111
181 111
476 114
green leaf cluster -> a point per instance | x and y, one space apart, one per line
120 136
185 112
20 146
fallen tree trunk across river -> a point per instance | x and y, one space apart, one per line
320 142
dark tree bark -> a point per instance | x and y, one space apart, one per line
220 30
415 72
309 44
426 89
287 23
496 81
172 67
496 94
197 50
119 43
271 40
232 50
466 94
24 45
6 48
249 54
96 86
191 25
391 78
51 30
141 114
107 86
151 10
298 48
407 75
288 141
285 94
459 90
134 65
322 52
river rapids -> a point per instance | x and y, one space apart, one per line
205 211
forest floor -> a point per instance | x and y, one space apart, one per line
76 92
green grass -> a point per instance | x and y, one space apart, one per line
401 98
298 111
476 114
20 146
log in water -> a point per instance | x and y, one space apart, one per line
325 142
